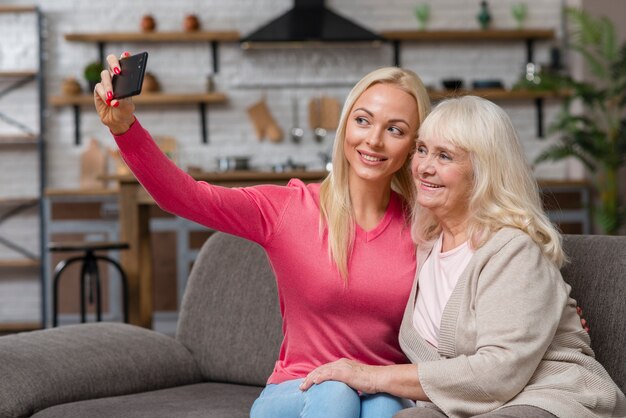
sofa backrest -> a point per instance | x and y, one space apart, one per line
230 318
597 274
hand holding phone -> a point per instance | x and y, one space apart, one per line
132 69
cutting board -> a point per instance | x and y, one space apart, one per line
93 166
264 123
324 112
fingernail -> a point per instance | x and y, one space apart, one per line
109 95
108 102
126 54
116 70
116 104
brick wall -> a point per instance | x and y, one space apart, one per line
248 76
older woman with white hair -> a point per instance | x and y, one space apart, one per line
489 327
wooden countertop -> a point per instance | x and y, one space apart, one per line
238 176
250 177
222 178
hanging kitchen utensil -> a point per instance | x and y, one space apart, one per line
315 113
258 115
314 116
264 123
296 131
93 166
330 113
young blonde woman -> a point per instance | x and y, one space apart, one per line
492 330
341 250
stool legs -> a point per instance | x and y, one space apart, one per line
89 276
55 285
124 280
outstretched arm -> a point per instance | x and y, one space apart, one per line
252 213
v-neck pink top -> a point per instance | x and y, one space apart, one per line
323 318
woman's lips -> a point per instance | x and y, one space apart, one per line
430 185
372 158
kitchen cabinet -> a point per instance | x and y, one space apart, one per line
213 38
20 265
526 36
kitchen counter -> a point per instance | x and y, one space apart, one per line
134 217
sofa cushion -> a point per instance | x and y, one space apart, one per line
40 369
597 274
206 400
230 319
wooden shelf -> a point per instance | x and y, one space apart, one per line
18 140
18 73
17 9
528 36
18 201
468 35
81 192
13 327
154 99
146 99
199 36
496 94
21 263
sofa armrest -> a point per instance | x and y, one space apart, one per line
40 369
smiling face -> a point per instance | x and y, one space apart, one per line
380 133
444 178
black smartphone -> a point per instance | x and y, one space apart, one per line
128 82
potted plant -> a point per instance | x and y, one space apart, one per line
596 133
92 74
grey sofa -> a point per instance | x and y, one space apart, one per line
228 337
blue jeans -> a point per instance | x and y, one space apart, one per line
328 400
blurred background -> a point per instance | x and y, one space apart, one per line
220 106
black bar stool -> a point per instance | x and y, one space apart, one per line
89 274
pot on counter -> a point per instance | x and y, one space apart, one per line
233 163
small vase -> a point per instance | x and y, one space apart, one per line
519 12
484 16
422 13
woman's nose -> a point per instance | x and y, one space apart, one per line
425 166
374 138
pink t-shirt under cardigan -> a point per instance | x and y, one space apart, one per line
323 320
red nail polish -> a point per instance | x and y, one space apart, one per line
116 104
116 70
109 95
126 54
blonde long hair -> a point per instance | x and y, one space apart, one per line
505 192
336 212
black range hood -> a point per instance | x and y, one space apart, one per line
310 21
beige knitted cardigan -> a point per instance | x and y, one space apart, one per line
510 335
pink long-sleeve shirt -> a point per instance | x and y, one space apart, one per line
323 318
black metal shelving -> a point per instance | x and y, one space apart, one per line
28 137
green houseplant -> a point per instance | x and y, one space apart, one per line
92 74
596 133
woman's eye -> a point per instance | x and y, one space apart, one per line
444 156
360 120
421 150
396 131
